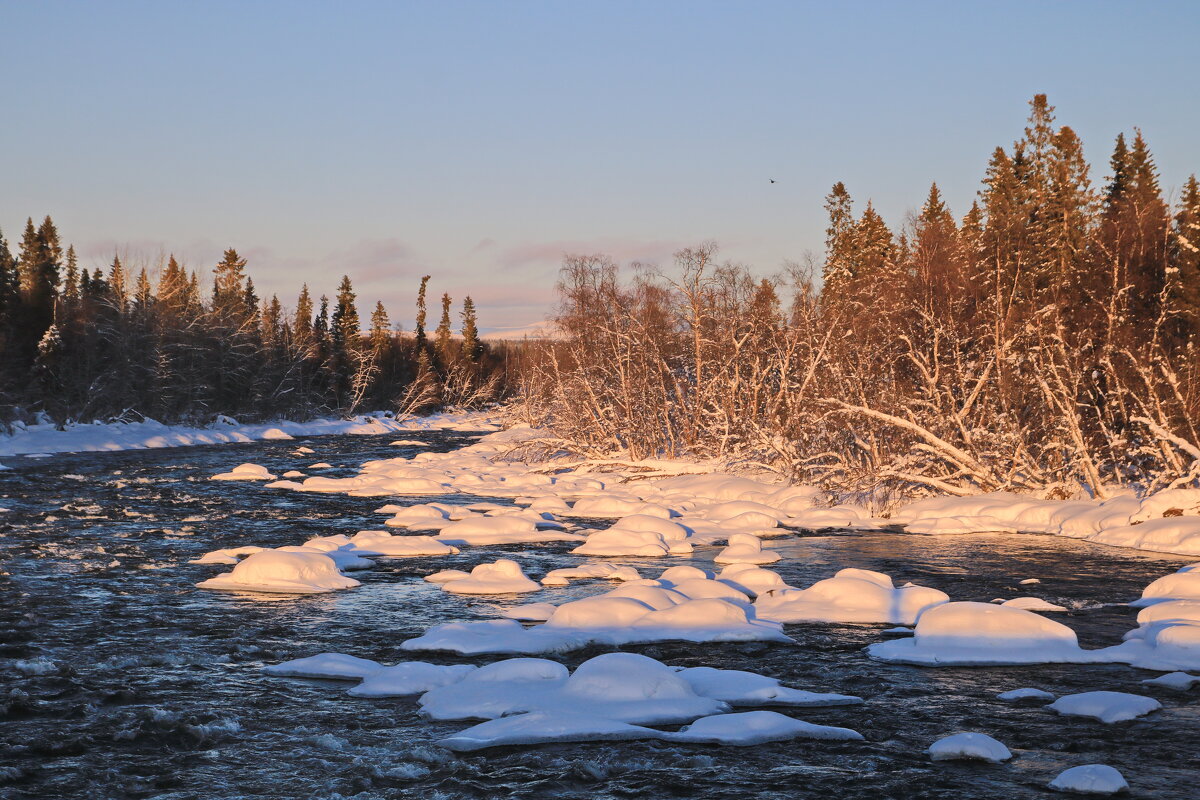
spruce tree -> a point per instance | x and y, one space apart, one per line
302 324
839 271
441 340
420 327
471 345
1185 284
228 284
117 288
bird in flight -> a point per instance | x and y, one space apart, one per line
771 179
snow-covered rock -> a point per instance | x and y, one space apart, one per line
282 572
503 576
970 747
967 633
385 544
1090 779
1107 707
330 666
739 688
1180 681
757 727
409 677
1032 604
852 595
245 472
746 549
601 570
500 530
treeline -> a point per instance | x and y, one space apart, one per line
1047 341
80 345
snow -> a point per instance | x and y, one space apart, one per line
750 579
626 687
1090 779
740 688
409 677
500 530
1180 681
542 728
968 633
1015 695
283 572
384 543
745 548
149 434
1168 521
245 472
601 570
1181 585
852 595
757 727
1108 707
617 541
503 576
655 615
331 666
969 746
1032 604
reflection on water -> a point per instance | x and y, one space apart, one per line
122 680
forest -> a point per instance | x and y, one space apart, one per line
1045 342
168 345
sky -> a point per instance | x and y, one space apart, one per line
478 142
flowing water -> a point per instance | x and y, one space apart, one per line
122 680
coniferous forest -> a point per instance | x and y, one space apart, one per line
1045 341
180 345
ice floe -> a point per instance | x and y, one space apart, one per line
331 666
1032 604
282 572
1180 681
408 678
601 570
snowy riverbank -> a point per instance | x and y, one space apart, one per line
45 438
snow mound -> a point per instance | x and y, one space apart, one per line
500 530
385 544
652 614
282 572
625 687
503 576
330 666
622 542
1032 604
1180 681
1181 585
542 728
1108 707
852 595
245 472
967 633
739 688
757 727
602 570
745 549
969 746
410 677
751 579
1090 779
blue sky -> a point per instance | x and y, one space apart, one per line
479 141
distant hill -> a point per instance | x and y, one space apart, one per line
538 330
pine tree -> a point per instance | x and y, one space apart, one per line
70 292
9 289
381 328
939 267
472 345
1065 220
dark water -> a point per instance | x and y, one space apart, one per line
121 680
